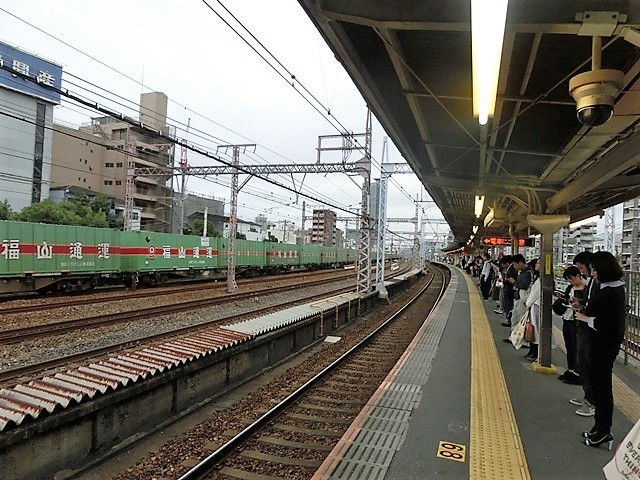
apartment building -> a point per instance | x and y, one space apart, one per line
323 229
95 158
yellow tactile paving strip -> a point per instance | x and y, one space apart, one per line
495 447
627 401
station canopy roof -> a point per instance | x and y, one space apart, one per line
411 60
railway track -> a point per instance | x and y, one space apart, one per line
17 335
292 439
96 298
13 375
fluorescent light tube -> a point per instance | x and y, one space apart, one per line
488 19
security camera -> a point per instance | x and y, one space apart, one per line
595 93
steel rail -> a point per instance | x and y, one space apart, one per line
208 464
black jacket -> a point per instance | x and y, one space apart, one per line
607 305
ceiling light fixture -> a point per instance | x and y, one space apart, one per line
479 205
488 20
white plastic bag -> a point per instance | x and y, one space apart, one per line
517 332
625 464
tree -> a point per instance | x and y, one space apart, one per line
271 238
5 210
241 236
47 212
69 212
102 203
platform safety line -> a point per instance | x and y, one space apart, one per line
627 400
495 445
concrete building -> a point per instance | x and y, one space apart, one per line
629 258
25 141
95 158
285 231
194 208
323 230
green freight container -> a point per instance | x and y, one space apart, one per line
38 249
311 253
144 252
329 255
344 255
250 253
282 254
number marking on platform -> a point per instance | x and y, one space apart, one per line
451 451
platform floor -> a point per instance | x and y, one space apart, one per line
462 404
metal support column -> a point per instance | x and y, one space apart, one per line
547 225
416 240
232 286
382 222
363 280
129 186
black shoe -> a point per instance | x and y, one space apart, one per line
599 439
505 324
506 340
573 380
590 433
564 375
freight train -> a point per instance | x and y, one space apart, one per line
36 257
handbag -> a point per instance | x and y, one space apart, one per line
529 332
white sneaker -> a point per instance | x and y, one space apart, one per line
576 401
587 410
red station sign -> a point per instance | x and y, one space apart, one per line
506 241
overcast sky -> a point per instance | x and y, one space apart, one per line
211 76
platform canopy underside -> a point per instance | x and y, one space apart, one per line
411 60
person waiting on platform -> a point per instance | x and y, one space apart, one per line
583 341
605 314
510 280
508 285
524 281
503 264
486 276
532 303
562 306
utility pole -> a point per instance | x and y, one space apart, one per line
232 286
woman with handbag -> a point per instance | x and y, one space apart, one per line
532 303
605 314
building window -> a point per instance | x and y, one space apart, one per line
108 164
119 164
118 182
108 182
119 134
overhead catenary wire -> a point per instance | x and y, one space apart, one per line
133 80
296 82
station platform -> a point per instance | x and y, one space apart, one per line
463 404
